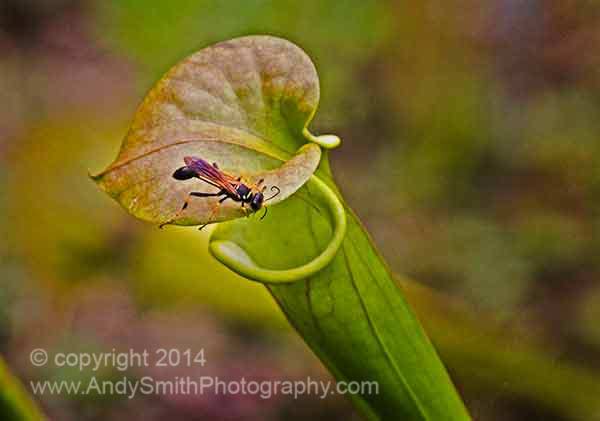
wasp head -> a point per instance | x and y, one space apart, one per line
257 201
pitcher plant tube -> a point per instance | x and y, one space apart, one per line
243 107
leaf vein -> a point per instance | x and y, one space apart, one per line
377 336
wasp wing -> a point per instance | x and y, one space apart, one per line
211 175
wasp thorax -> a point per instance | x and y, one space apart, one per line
243 191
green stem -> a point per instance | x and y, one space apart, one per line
344 302
15 402
236 258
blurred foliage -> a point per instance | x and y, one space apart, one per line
470 150
163 268
336 35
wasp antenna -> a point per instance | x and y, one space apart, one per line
274 188
264 214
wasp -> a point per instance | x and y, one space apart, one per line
230 187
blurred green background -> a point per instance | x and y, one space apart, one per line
470 150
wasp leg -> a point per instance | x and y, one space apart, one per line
246 210
212 213
186 203
200 194
264 214
256 186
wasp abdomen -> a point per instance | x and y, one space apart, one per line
184 173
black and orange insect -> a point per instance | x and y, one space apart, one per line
230 187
